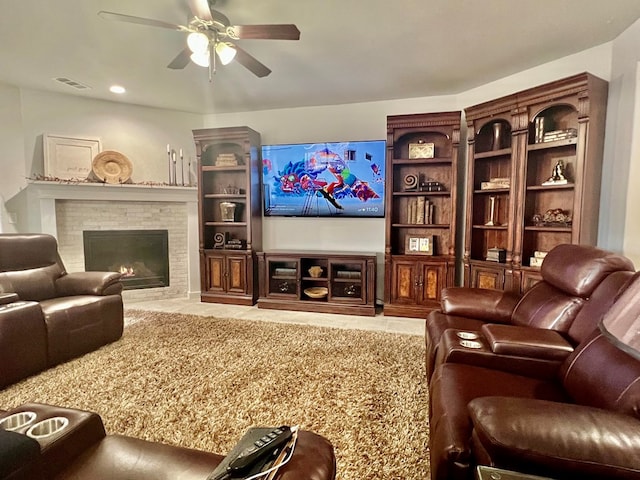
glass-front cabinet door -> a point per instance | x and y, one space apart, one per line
347 281
282 277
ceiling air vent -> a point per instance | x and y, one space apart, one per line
71 83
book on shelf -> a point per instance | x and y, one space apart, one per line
420 211
495 183
560 135
420 203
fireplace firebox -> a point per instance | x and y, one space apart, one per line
142 256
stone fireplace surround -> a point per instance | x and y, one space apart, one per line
66 210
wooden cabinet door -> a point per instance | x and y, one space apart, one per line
347 277
431 282
487 277
236 274
417 282
215 270
404 283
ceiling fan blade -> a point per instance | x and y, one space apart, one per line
220 17
200 9
251 63
265 32
181 60
140 20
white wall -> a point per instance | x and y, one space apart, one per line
140 133
366 121
12 151
620 227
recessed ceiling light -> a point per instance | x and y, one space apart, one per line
117 89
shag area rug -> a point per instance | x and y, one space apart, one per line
200 382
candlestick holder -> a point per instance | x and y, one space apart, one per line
175 174
493 221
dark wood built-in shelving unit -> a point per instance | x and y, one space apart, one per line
575 108
229 166
414 277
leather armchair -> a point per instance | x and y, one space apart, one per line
582 423
575 285
76 312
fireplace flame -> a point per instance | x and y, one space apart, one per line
127 271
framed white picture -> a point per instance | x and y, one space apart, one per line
68 158
421 244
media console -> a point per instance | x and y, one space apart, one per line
310 281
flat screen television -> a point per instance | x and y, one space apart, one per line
343 179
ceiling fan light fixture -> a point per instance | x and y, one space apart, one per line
201 59
198 42
226 52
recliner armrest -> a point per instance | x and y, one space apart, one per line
8 298
523 341
480 303
555 439
89 283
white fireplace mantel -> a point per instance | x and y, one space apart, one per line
41 197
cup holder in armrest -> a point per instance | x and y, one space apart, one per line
470 344
468 335
17 421
47 428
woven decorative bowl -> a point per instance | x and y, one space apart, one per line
112 167
316 292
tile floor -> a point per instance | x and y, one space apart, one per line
410 326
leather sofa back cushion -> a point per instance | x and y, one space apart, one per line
27 251
34 284
600 375
599 303
578 269
544 306
29 265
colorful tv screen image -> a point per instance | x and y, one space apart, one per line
324 179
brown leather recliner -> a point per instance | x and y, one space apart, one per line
83 451
584 423
48 316
571 275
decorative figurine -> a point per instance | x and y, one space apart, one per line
557 176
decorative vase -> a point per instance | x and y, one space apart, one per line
315 271
227 209
498 130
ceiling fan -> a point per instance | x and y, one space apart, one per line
211 35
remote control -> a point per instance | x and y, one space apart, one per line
260 447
